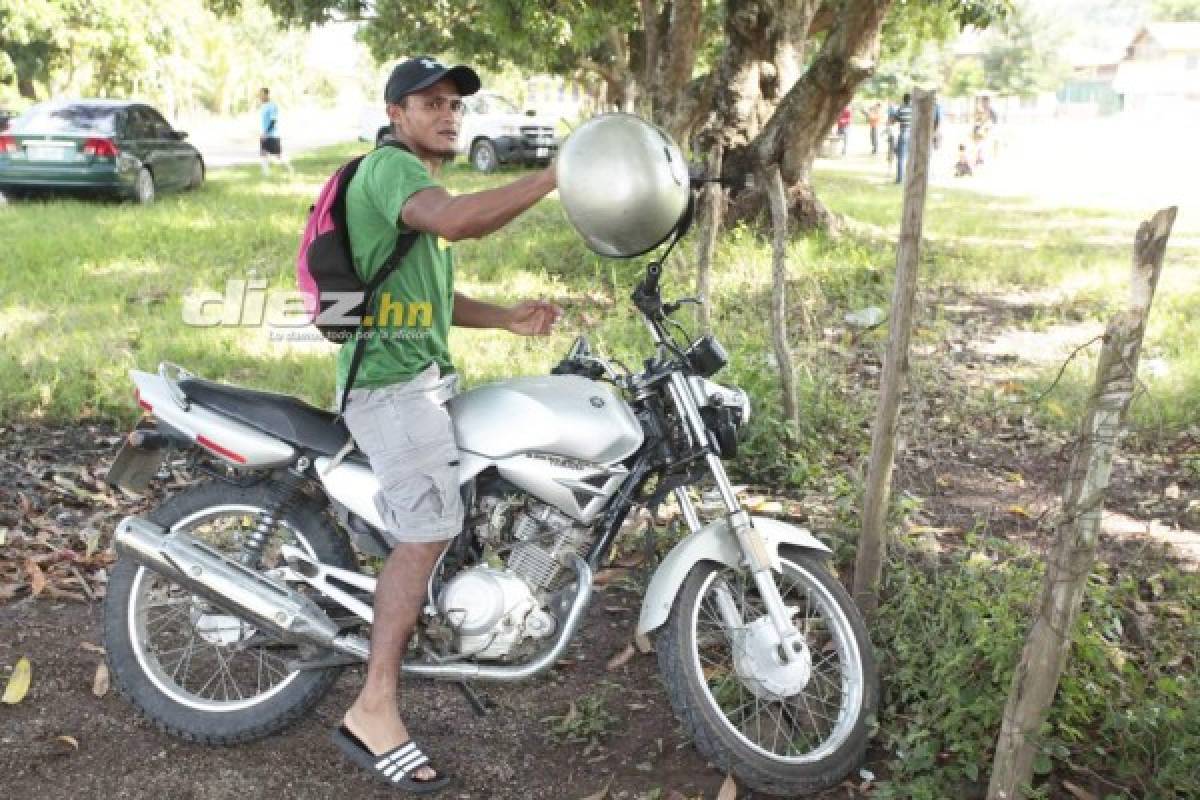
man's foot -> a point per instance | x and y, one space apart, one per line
406 767
381 733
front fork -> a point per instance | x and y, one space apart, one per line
755 553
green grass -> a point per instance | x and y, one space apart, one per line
1080 256
949 635
89 290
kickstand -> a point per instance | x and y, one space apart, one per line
478 704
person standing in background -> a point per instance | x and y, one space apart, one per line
902 116
268 132
874 118
843 127
937 125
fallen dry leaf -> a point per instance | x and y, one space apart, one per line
37 578
71 740
18 684
607 576
620 659
91 648
100 682
600 795
1077 792
728 789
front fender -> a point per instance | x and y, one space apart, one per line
714 542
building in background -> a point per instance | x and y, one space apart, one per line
1161 68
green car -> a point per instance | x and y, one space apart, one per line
106 146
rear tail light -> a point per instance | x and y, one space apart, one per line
8 145
101 148
143 403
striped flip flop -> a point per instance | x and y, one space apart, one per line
393 767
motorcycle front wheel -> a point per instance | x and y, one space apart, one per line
193 670
782 727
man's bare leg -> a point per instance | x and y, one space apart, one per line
399 595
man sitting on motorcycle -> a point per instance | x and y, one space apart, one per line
395 407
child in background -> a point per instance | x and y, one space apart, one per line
963 167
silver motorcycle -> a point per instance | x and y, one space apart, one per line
234 605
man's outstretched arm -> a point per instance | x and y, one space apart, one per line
528 318
470 216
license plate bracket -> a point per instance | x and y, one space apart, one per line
134 468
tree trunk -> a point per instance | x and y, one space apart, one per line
25 87
756 69
872 542
1045 654
760 35
650 12
677 35
806 113
773 182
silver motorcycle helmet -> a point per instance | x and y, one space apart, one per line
624 184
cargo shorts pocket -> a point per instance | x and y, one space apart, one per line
423 421
423 504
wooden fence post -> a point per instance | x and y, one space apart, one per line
712 201
772 180
872 542
1045 653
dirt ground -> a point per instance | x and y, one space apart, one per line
996 469
502 755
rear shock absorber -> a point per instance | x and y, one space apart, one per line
268 521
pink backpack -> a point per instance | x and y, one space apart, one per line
325 265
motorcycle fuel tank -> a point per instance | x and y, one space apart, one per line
563 415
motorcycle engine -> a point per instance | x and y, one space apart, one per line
489 609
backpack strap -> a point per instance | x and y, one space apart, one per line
403 244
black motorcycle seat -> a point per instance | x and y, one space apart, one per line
280 415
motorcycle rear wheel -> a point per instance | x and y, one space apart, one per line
781 730
189 668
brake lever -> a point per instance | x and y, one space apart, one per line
672 307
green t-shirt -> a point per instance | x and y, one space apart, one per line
411 313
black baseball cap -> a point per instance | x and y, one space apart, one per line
418 73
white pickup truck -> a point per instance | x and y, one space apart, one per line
493 132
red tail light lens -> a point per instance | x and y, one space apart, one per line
101 148
8 145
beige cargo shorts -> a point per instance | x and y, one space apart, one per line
408 436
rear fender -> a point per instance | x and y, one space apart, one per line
225 438
714 542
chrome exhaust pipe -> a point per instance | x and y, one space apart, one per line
518 672
237 589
